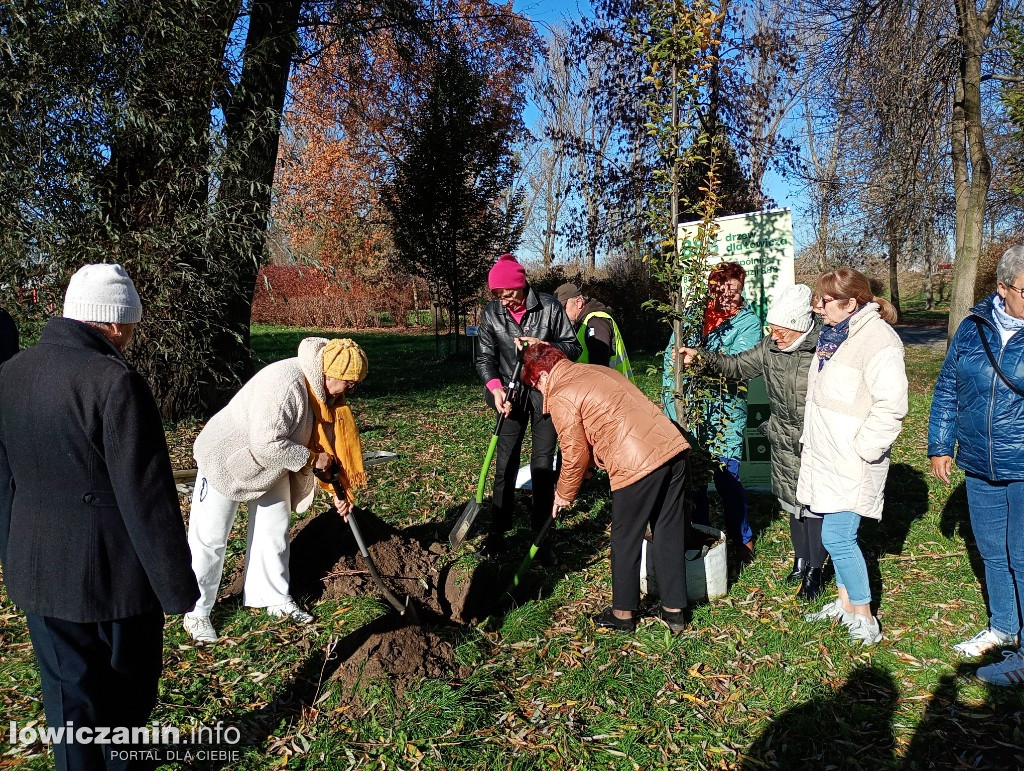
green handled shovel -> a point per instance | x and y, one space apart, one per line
534 548
465 520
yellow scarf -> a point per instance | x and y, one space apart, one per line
336 434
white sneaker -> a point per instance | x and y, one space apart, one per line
831 612
290 610
984 642
865 630
200 628
1009 671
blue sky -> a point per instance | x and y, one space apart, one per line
552 11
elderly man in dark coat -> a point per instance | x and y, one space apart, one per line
91 536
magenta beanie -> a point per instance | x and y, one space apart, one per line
507 273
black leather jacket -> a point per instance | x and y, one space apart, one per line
545 319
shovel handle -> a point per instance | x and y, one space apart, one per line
482 481
487 462
534 548
339 491
396 603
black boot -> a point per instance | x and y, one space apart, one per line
799 566
609 620
811 585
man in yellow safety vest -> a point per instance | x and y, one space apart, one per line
596 330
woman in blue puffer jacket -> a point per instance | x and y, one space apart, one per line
979 407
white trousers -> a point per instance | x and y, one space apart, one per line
267 549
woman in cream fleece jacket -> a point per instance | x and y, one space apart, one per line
856 402
257 450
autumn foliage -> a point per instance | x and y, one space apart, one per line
296 296
349 104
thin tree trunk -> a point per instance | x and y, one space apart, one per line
823 226
929 269
894 274
677 294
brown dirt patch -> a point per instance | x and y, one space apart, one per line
325 563
400 653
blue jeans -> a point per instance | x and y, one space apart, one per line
839 537
997 518
734 501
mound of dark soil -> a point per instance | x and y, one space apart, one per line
326 563
401 653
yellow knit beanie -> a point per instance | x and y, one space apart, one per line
345 360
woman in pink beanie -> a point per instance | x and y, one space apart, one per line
519 314
507 273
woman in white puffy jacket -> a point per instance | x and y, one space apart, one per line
856 402
260 450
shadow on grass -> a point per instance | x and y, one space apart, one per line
956 734
852 728
906 501
849 728
956 520
302 691
578 546
401 364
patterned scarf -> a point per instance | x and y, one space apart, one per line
830 339
336 434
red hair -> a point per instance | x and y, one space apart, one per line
725 271
538 359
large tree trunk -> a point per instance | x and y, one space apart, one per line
972 167
154 190
253 124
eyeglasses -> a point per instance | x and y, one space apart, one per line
1016 289
822 300
505 294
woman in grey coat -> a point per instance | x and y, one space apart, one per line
783 359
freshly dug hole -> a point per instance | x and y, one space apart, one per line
325 563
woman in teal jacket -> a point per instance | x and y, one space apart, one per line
729 327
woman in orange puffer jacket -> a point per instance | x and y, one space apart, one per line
598 413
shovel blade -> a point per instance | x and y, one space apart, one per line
464 522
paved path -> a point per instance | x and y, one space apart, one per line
933 337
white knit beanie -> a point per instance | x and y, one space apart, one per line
102 293
792 308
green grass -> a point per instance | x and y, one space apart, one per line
749 685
